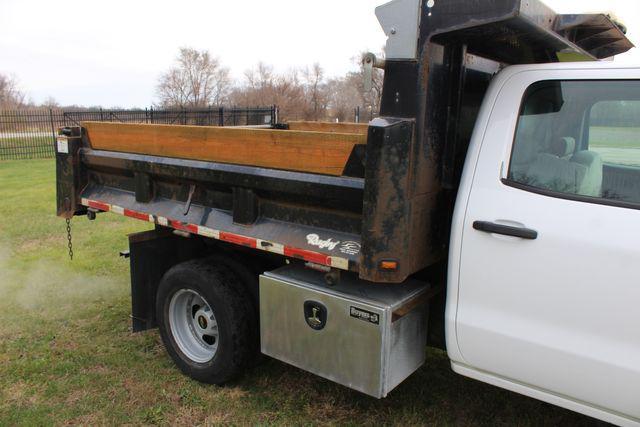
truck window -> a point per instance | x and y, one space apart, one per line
579 139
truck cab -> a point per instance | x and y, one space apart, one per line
542 291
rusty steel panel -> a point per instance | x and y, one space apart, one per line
69 177
388 204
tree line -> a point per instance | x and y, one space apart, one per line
10 95
616 114
198 79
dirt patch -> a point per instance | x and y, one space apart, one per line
33 245
330 411
75 396
97 369
232 393
218 418
20 393
93 419
187 416
57 346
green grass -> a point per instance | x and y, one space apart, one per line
615 137
616 145
67 354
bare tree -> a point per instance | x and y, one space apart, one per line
306 94
342 99
10 95
368 100
260 85
315 93
197 80
263 86
347 93
50 102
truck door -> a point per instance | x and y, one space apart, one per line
549 259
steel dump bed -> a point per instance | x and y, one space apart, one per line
375 199
313 215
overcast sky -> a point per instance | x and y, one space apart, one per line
111 52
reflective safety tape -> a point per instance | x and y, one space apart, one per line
138 215
237 239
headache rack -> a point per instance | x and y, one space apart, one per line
375 199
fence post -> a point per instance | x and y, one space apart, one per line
53 132
101 118
221 116
358 114
53 129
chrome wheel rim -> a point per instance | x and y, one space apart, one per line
193 325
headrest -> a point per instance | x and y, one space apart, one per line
563 147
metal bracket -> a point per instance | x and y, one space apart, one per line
192 190
400 20
369 61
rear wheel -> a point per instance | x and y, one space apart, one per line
193 325
207 321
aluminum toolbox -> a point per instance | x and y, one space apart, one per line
368 337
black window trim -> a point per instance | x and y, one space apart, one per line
571 197
556 194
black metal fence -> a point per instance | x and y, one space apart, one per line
354 115
30 134
364 115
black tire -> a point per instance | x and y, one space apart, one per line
240 267
234 313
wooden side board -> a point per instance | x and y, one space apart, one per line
357 128
303 151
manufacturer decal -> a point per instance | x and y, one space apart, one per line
315 314
315 240
350 247
62 145
365 315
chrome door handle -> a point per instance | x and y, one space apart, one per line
505 230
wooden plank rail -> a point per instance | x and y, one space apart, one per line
303 151
357 128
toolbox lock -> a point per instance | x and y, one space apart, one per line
315 314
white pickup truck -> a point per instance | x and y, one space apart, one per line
492 210
554 313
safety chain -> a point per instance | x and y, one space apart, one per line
69 244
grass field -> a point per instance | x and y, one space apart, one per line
67 354
617 137
616 145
